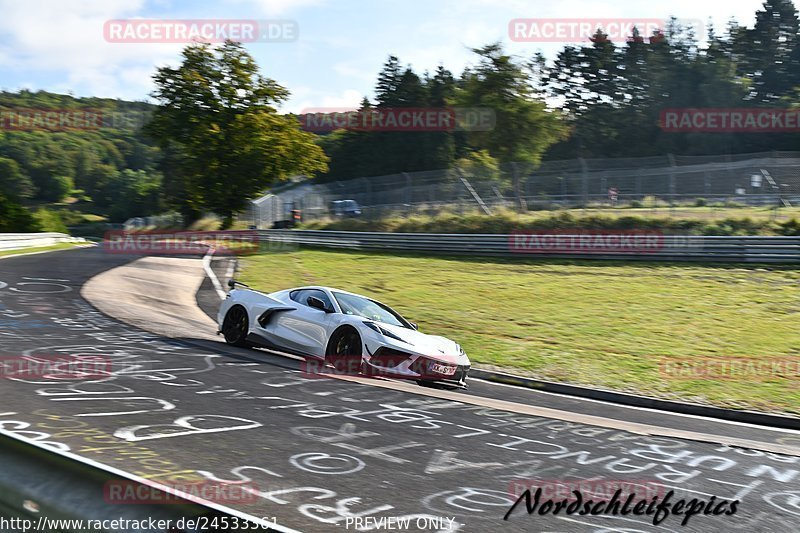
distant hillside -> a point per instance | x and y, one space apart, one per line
87 154
44 99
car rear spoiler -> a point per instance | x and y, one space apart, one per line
232 283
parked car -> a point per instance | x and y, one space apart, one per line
345 208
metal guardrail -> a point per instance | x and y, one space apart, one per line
660 247
43 489
13 241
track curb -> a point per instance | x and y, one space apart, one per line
747 417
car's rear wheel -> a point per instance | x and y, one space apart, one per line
344 351
236 326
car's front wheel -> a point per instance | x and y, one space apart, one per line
236 326
344 351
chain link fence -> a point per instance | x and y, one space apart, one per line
657 183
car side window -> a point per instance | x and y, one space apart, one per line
301 296
318 294
297 296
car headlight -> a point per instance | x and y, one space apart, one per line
375 327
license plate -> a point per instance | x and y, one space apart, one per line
446 370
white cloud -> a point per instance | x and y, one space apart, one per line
305 99
272 8
351 71
63 40
66 39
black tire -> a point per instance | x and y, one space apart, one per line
345 351
235 327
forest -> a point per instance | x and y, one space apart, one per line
195 152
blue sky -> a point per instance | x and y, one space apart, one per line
58 45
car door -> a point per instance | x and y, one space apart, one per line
304 329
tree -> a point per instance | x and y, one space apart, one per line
13 181
218 121
48 164
440 146
131 193
14 217
389 81
357 153
771 51
480 166
524 128
13 185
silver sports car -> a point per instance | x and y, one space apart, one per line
339 329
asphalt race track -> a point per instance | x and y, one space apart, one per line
321 453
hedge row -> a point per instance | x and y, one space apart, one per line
508 222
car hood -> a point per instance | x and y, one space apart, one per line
433 346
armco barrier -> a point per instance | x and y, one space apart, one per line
42 488
13 241
754 249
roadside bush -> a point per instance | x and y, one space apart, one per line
790 228
14 218
508 222
207 223
50 220
55 188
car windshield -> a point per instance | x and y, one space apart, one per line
352 304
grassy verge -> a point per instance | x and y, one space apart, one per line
695 221
610 325
59 246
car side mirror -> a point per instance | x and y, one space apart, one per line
414 325
316 303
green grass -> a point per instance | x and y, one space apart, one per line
609 325
52 247
693 213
